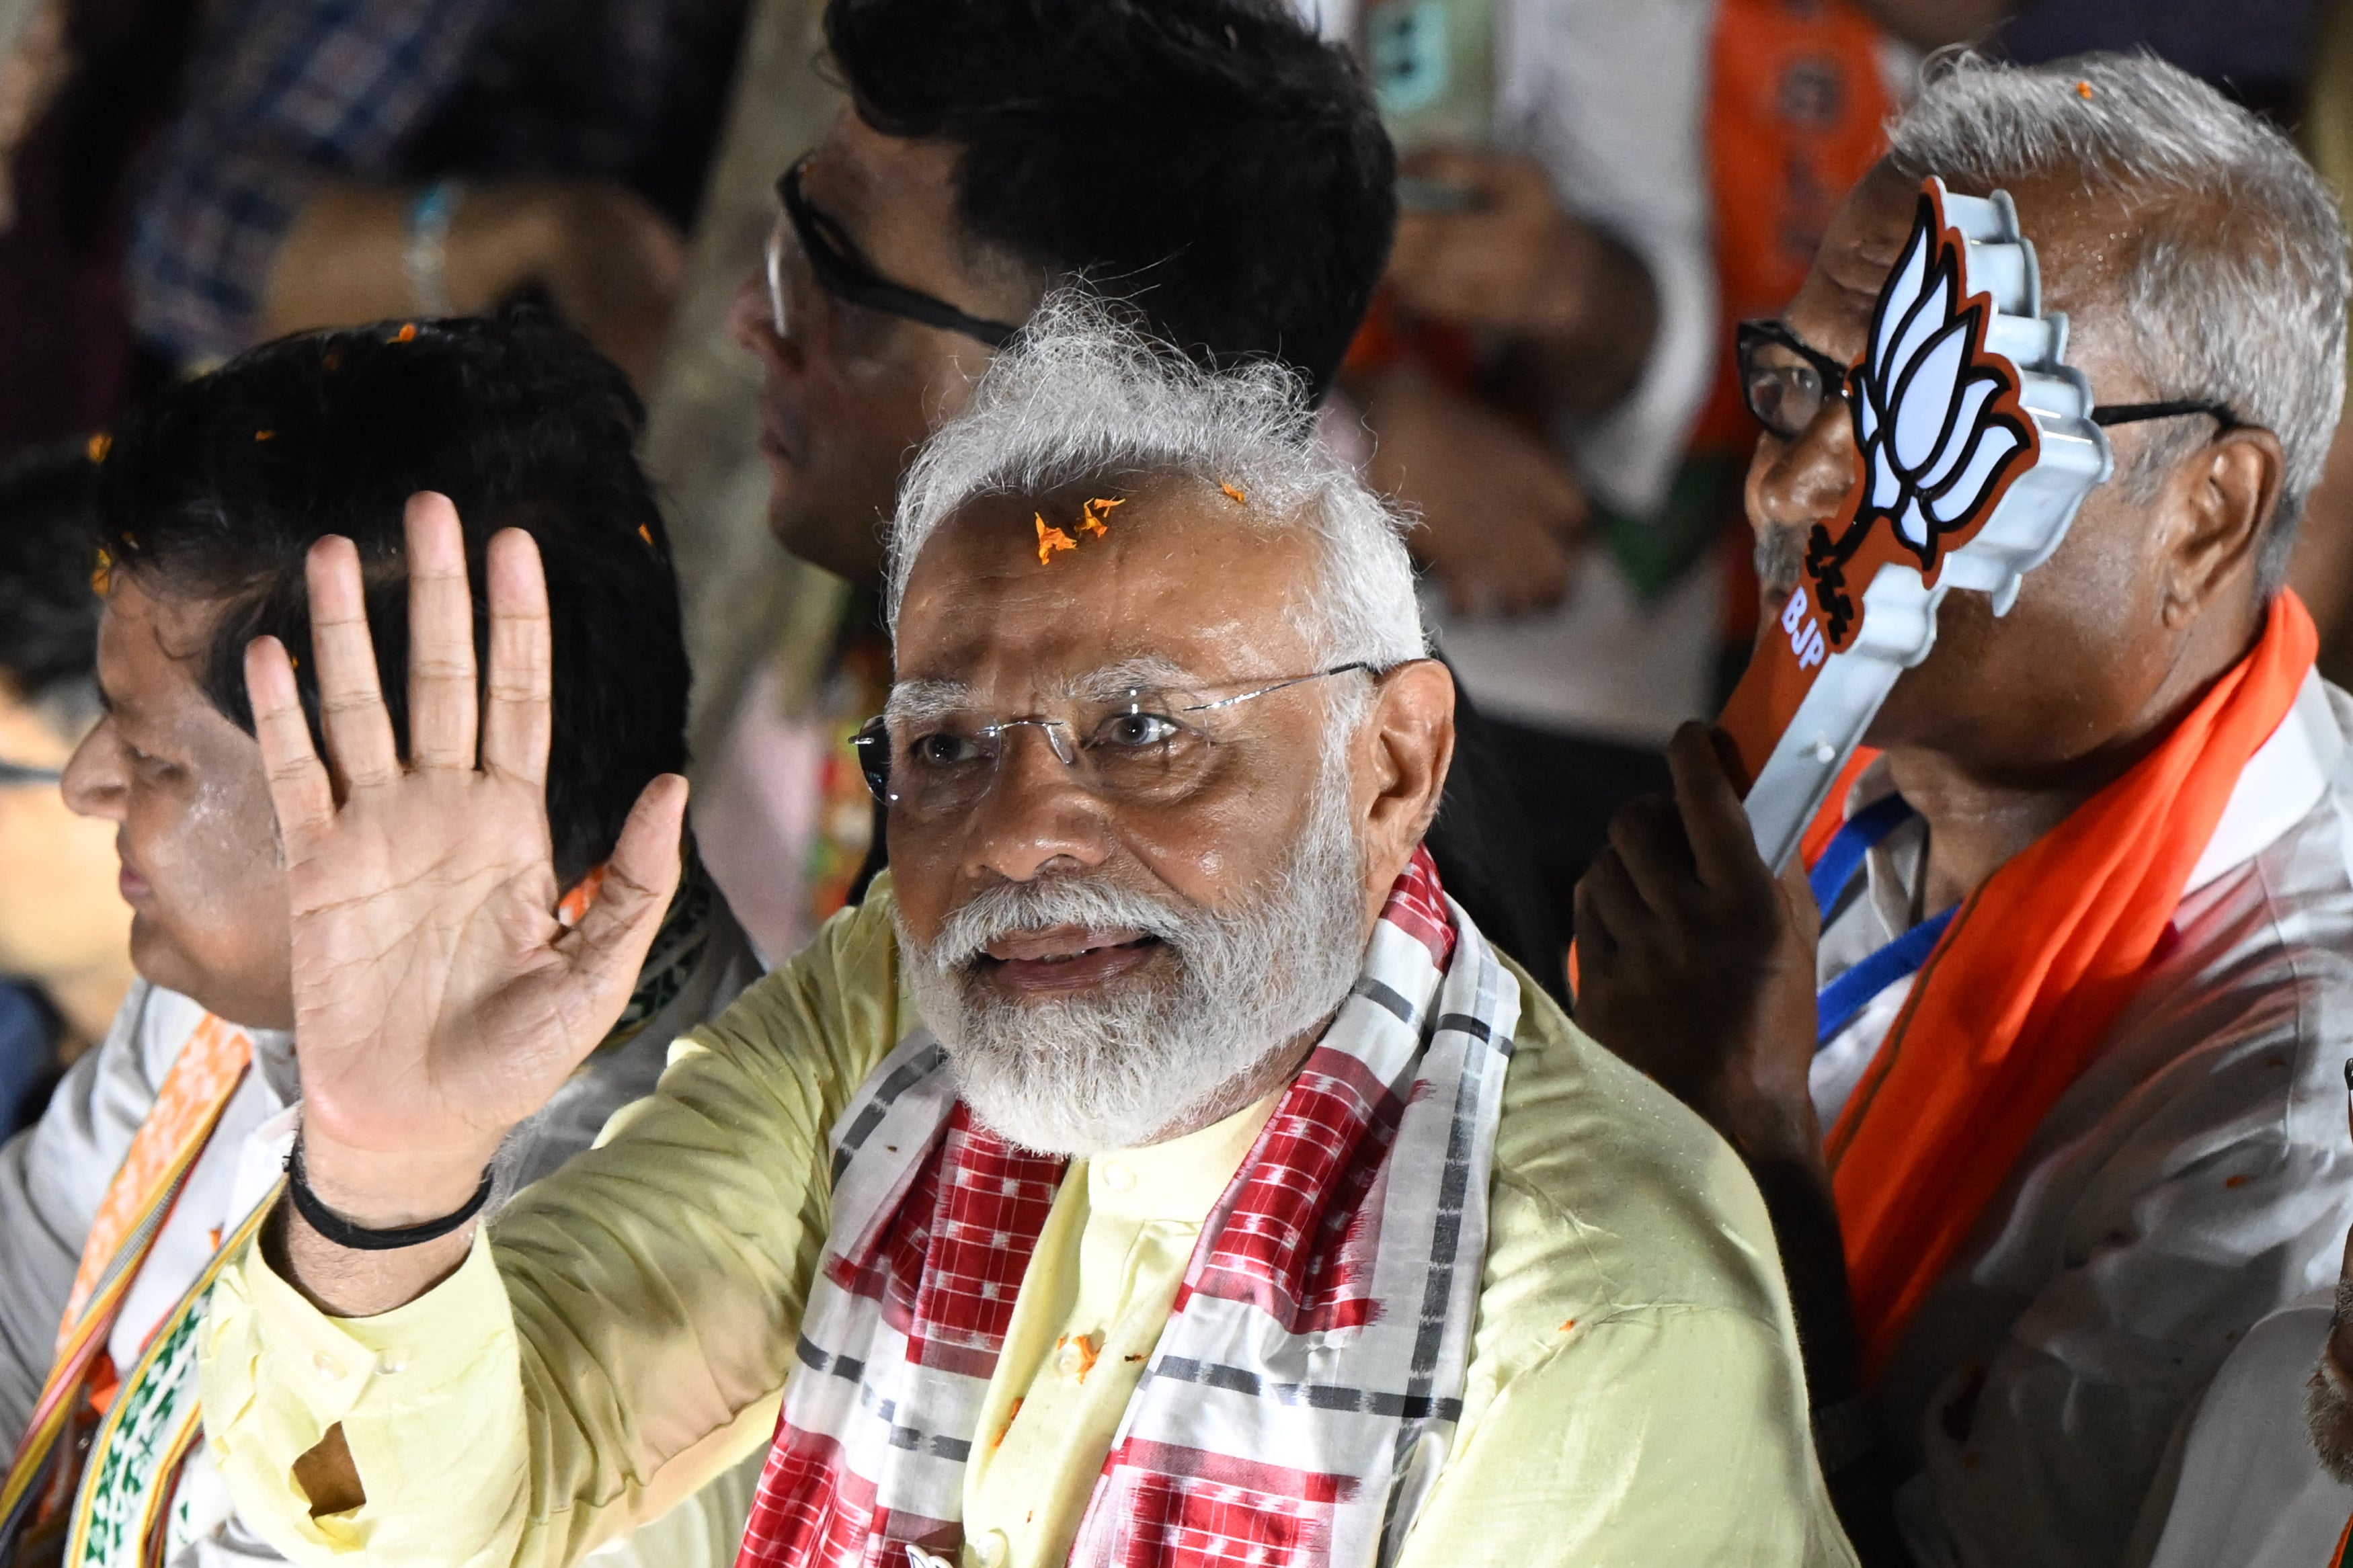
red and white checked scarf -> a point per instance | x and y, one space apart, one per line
1305 1393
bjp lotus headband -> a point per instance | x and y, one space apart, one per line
1974 446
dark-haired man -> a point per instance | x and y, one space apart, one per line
165 1142
1212 162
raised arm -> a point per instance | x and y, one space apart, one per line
438 1001
1698 969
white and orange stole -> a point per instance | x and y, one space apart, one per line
139 1422
1303 1398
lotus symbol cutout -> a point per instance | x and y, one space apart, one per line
1938 432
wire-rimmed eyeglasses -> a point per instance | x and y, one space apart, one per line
1153 743
1785 381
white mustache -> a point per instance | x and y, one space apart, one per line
1009 908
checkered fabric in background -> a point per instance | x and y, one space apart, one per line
286 96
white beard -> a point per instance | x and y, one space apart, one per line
1084 1074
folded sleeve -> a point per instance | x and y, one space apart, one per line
1665 1434
619 1338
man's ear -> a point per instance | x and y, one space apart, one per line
2224 495
1404 749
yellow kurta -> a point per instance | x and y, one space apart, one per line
1115 1247
624 1333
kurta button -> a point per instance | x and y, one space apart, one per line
991 1546
1118 1178
329 1367
1071 1358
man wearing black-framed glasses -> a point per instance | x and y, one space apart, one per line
1787 382
1216 166
2021 1245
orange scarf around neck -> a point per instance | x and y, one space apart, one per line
2018 996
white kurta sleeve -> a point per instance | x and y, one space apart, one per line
52 1176
2213 1190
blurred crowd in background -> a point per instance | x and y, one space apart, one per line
1593 191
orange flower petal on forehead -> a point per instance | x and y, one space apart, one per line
1051 539
1095 514
1234 496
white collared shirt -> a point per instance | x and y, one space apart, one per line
2196 1177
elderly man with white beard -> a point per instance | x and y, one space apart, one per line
1158 1169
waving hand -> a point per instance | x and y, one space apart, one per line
438 1001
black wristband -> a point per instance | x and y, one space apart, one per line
359 1237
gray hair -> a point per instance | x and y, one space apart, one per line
1083 396
2235 280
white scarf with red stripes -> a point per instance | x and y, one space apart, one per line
1303 1395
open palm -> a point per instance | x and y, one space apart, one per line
436 999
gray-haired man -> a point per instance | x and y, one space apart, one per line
1158 1169
2067 1107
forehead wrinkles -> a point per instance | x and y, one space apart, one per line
1169 584
913 701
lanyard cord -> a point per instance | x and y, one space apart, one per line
1838 1002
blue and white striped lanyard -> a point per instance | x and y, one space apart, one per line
1837 1003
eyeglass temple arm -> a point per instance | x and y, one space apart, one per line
2133 413
1283 686
844 276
